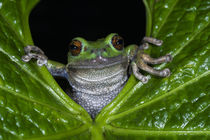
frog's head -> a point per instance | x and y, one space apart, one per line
97 54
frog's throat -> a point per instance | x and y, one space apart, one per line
99 80
98 63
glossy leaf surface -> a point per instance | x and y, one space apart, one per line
32 105
176 107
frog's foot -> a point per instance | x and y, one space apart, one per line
138 75
34 52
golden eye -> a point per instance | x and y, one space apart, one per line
117 42
75 47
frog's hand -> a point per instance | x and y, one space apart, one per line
142 59
56 69
34 52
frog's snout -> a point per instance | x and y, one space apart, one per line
99 57
98 52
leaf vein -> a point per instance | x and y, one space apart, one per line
192 37
153 132
158 98
34 101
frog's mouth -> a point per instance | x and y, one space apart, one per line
99 62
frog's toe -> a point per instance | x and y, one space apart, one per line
166 72
152 40
26 58
158 42
144 80
169 58
145 46
41 62
33 49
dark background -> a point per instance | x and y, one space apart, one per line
54 23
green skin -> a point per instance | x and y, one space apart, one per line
99 72
99 44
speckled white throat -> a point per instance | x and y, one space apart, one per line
95 88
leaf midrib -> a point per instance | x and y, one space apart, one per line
154 132
114 117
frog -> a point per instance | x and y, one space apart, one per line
98 70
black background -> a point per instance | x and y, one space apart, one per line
54 23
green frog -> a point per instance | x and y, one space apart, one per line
98 70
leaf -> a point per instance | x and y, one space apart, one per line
176 107
33 106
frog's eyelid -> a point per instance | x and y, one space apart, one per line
85 48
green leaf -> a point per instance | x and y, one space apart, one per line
176 107
33 106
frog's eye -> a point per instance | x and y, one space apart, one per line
117 42
75 47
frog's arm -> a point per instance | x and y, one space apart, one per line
56 69
131 51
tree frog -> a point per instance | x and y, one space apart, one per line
98 70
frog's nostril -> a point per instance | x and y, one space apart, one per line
98 52
103 50
92 51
